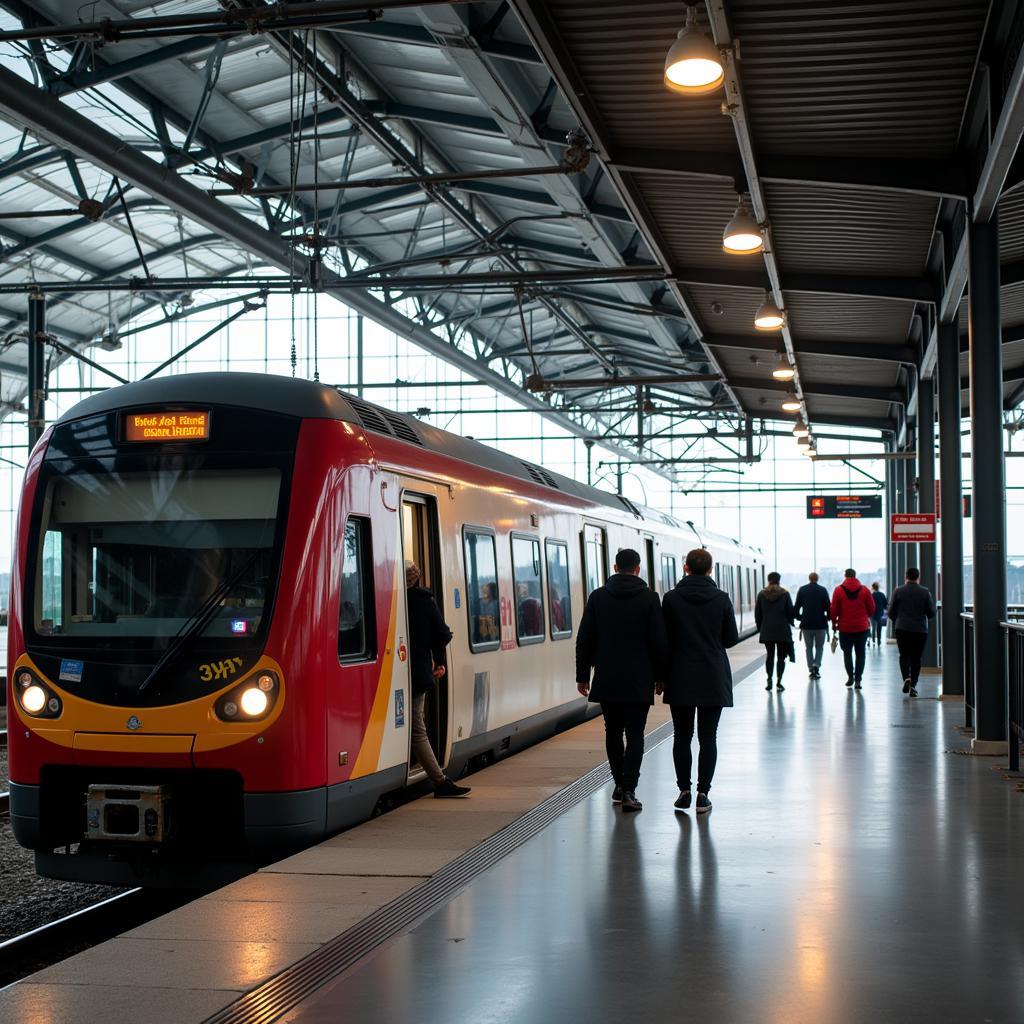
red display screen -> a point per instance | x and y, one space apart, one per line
167 426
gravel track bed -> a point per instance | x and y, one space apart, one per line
3 769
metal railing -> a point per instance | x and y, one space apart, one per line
1014 612
1015 693
967 619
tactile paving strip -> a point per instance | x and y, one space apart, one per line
278 995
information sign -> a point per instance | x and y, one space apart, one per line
166 426
844 506
912 527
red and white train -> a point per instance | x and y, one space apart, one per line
207 658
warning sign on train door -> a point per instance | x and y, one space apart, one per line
912 528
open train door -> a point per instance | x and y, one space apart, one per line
421 544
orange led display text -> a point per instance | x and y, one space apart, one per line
167 426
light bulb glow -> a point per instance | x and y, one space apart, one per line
742 235
33 699
791 404
254 701
693 64
769 317
784 369
801 429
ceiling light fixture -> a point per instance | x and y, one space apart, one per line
791 403
809 451
784 369
769 317
803 440
800 429
693 64
742 236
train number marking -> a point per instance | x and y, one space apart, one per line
219 669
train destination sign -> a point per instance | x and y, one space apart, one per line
167 426
844 506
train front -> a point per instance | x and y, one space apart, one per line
143 691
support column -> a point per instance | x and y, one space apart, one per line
36 368
359 355
899 481
951 508
989 475
926 499
890 507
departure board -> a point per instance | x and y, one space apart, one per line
844 506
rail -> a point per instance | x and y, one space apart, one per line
5 804
967 620
1015 691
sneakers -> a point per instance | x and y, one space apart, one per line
703 803
447 789
906 686
913 691
769 686
779 686
630 802
683 800
617 795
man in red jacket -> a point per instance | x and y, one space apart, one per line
851 611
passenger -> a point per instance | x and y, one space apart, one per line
911 607
557 611
701 624
851 611
529 614
812 605
622 637
488 629
428 637
773 616
878 617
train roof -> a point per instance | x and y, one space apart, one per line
293 396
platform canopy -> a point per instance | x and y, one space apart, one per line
512 186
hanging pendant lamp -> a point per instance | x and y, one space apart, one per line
800 429
742 236
693 64
784 369
769 317
791 403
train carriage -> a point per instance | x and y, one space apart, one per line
207 641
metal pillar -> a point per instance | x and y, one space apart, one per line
890 508
911 555
359 355
926 498
899 551
989 476
951 507
36 368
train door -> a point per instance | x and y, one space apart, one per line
421 544
652 580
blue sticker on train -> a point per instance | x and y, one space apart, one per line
399 708
457 599
71 671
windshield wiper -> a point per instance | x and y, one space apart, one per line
199 620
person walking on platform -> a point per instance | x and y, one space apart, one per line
428 636
773 616
851 611
622 638
878 617
812 608
911 607
701 625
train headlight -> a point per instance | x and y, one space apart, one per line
254 702
250 700
33 698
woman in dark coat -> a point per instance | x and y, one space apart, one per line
701 625
774 616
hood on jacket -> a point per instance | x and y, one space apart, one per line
697 589
625 585
774 591
853 584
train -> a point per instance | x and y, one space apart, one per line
207 655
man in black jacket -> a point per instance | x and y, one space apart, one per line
773 616
812 605
701 624
428 637
622 637
910 609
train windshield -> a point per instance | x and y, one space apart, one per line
137 554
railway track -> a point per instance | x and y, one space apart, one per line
56 941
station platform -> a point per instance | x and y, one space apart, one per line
858 865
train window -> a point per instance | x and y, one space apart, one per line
482 604
356 633
668 573
526 577
594 557
558 589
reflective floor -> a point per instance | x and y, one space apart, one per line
854 868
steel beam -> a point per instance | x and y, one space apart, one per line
888 351
989 484
926 501
46 116
951 590
863 392
36 368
